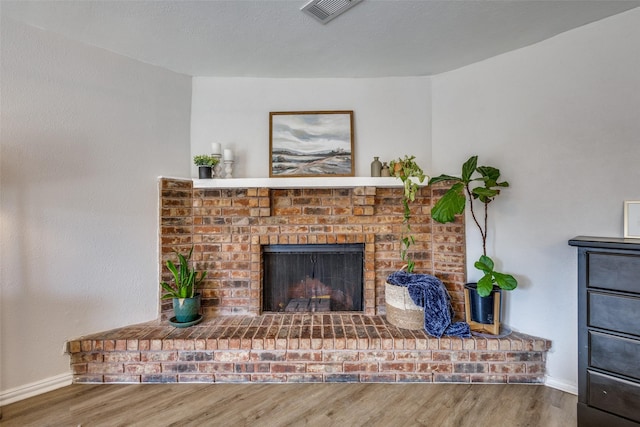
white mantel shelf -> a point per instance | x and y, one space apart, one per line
303 182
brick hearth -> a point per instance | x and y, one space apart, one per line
237 342
301 348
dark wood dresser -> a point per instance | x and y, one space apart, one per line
608 331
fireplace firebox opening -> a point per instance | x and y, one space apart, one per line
313 278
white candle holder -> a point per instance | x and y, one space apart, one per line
228 168
217 169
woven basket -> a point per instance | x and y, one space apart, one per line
401 311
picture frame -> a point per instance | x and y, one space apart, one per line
632 219
311 144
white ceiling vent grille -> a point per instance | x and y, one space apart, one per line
325 10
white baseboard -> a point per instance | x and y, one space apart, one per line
561 385
34 389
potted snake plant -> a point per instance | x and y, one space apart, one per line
480 184
182 290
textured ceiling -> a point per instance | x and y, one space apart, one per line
266 38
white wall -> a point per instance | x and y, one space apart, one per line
392 116
561 119
85 134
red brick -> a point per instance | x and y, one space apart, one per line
74 347
121 357
142 368
159 356
495 379
397 366
434 367
303 356
195 378
216 368
121 378
360 367
507 368
105 368
466 368
451 378
421 378
325 367
79 368
496 356
288 367
377 378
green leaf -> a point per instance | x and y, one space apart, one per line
172 268
484 264
485 285
171 293
442 178
468 168
505 281
450 205
489 173
182 292
484 194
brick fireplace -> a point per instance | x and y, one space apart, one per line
229 228
236 342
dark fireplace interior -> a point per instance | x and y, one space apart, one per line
313 278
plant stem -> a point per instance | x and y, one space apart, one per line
484 237
483 233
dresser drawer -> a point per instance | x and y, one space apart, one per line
614 312
614 271
614 354
614 395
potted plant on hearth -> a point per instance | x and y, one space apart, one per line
482 299
186 301
417 301
400 309
205 163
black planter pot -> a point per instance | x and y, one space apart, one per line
482 308
205 172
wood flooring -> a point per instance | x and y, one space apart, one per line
440 405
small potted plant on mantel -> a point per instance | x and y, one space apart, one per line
205 163
482 299
182 290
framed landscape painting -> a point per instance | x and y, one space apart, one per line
311 143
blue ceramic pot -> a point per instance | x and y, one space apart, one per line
187 309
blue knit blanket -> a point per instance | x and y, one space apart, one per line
429 292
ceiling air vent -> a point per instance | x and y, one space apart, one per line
325 10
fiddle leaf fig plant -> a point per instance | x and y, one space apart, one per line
479 183
407 170
491 277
